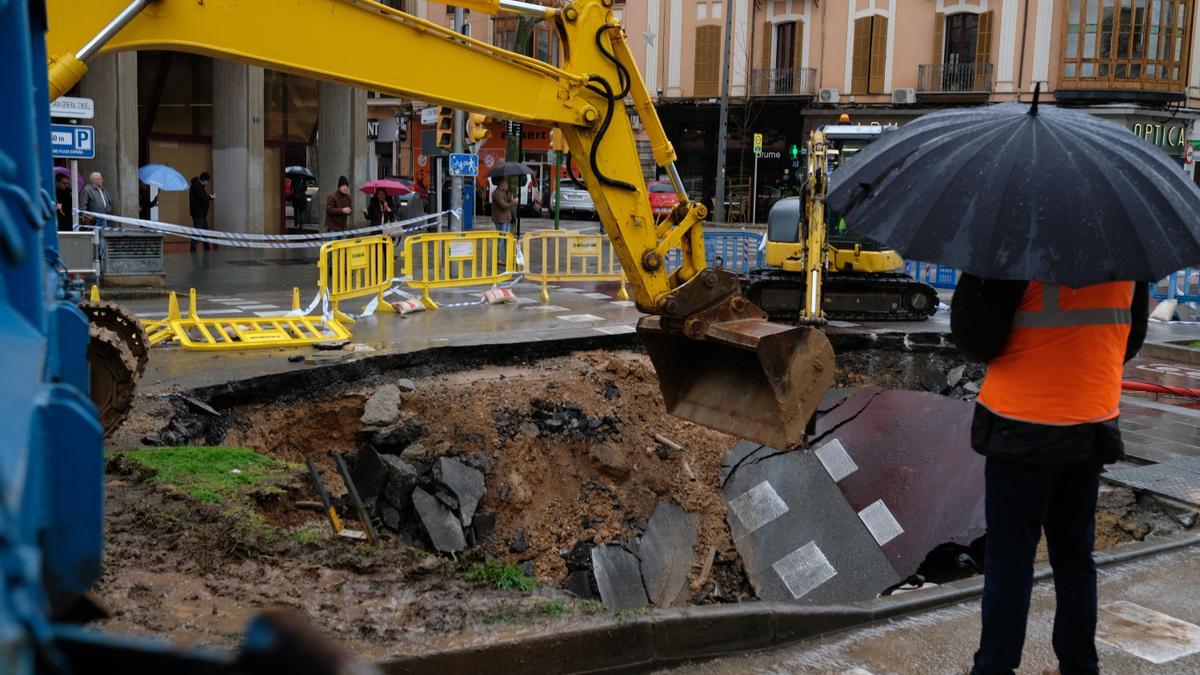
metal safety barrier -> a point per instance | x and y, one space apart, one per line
737 252
355 268
1183 286
938 276
455 259
563 256
197 333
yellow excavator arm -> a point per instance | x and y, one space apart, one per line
720 363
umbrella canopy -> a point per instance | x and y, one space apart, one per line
392 187
64 171
1014 191
162 177
509 169
299 171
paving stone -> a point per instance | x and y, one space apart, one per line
443 527
466 484
383 408
619 578
667 552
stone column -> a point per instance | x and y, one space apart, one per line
341 144
111 82
237 173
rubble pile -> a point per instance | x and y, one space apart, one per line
960 382
419 497
549 419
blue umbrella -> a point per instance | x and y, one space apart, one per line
162 177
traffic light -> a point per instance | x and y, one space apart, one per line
556 140
477 131
445 128
794 151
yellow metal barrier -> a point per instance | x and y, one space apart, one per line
355 268
558 255
450 259
203 334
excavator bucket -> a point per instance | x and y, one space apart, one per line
751 378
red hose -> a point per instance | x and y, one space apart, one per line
1149 388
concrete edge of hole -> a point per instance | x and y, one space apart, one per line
674 636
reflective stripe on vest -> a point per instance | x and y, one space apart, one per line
1064 359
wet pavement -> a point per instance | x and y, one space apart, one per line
1148 615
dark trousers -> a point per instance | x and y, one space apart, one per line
200 223
1021 500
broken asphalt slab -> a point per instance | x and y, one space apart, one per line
465 482
619 578
667 553
798 538
443 527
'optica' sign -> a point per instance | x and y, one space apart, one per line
1162 135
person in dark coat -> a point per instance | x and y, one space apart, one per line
299 199
199 200
1047 421
62 206
379 209
337 207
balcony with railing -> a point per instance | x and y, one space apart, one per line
954 80
799 82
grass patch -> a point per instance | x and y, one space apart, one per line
309 534
521 615
213 475
498 574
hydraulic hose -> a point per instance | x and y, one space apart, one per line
607 93
1150 388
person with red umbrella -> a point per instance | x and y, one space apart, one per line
379 209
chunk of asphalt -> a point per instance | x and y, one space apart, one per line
383 408
582 584
406 384
369 475
393 439
444 530
518 543
619 578
667 551
400 482
466 484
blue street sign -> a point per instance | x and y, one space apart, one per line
468 216
75 142
462 164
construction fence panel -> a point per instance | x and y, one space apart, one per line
1183 286
563 256
938 276
355 268
193 332
738 252
456 259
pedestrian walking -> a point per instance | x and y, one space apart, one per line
146 203
337 207
62 205
379 209
1046 419
199 199
299 199
96 199
503 206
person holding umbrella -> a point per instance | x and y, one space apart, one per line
379 209
300 177
1032 206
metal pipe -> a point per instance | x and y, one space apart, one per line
527 8
677 181
110 31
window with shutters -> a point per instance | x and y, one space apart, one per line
962 54
1127 44
782 71
869 66
707 79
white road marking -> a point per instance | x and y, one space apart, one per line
836 460
616 330
758 506
256 307
804 569
598 296
581 318
548 308
880 521
1146 633
622 303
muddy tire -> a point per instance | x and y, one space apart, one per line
113 376
121 321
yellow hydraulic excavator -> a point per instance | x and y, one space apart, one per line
720 363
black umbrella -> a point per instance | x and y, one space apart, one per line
299 171
1014 191
509 169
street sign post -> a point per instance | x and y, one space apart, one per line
73 108
464 164
758 148
429 116
74 142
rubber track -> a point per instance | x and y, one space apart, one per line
113 375
853 284
124 323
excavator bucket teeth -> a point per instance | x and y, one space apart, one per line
750 378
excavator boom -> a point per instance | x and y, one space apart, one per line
749 378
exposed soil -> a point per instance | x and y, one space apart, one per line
197 572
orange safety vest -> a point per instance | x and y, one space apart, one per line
1063 361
